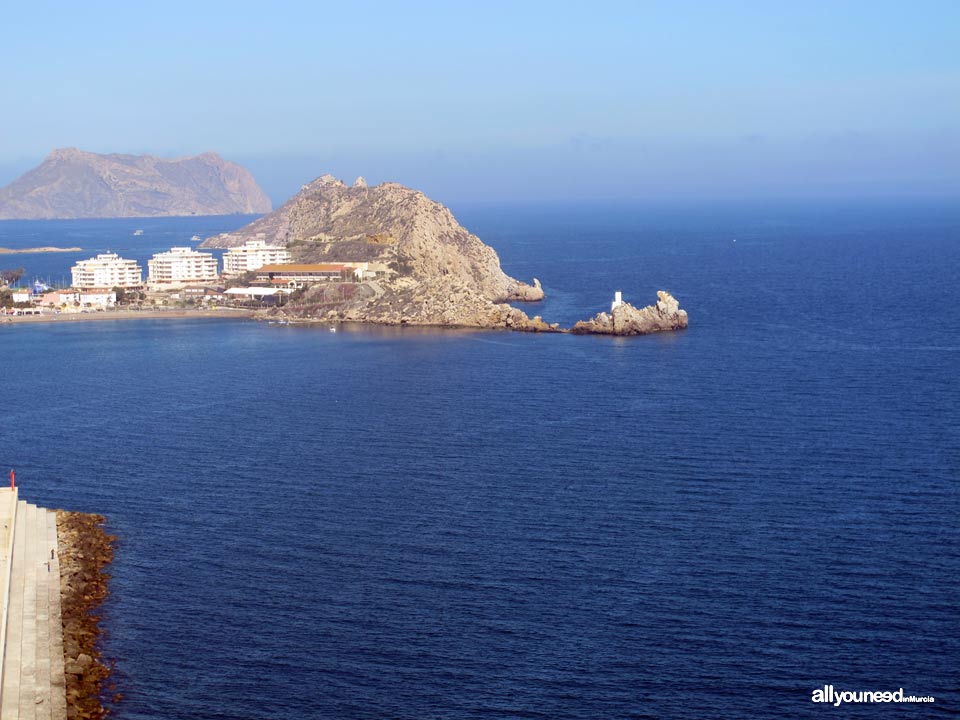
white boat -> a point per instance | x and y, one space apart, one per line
195 238
138 232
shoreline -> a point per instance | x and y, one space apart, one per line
85 550
127 315
624 320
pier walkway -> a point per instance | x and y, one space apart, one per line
31 635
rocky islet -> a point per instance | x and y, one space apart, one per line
625 319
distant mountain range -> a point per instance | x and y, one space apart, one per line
71 183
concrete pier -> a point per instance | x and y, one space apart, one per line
31 634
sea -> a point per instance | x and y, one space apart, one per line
404 523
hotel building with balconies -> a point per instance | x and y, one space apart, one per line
107 270
253 255
181 265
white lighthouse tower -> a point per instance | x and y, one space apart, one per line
617 301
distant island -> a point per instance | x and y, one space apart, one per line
417 265
71 184
15 251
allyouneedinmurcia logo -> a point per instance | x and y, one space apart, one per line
828 694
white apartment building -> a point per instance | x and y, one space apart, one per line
182 265
107 270
253 255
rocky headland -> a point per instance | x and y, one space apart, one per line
427 269
430 270
71 183
625 319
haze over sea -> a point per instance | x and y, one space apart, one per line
384 523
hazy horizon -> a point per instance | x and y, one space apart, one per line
532 103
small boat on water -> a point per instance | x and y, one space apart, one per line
138 232
195 238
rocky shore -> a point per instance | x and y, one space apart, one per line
85 551
442 303
625 319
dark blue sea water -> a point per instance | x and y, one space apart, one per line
404 524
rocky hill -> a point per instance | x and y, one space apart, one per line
435 271
71 183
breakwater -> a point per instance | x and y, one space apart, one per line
52 581
85 551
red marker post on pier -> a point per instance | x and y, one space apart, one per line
13 479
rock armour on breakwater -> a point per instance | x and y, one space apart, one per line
85 550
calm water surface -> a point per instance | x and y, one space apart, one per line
386 524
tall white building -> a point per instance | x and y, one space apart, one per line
107 270
182 265
252 256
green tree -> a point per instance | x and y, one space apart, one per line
11 276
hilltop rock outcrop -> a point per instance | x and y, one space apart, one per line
432 271
625 319
71 183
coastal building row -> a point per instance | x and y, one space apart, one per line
184 266
178 265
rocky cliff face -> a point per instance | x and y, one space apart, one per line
71 183
438 273
627 320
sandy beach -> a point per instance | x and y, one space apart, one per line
178 314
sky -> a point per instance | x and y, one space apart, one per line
502 101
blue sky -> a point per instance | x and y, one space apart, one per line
503 100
